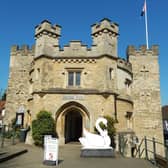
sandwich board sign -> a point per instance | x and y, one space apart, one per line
50 150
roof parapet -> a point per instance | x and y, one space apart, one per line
23 50
142 50
105 25
47 28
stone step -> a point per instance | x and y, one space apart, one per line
4 156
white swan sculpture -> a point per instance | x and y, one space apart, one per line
91 140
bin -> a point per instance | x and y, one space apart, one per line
23 133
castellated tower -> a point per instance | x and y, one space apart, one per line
47 39
146 91
78 84
18 82
105 37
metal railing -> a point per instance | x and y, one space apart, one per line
151 153
7 134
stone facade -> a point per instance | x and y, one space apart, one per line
86 82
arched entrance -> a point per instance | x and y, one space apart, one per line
71 118
73 126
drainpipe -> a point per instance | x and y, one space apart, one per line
115 107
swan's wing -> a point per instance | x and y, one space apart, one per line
87 133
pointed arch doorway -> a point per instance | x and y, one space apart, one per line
73 126
71 118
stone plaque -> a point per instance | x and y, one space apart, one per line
73 97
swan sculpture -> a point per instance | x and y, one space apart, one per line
91 140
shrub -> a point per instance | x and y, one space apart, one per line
110 128
43 125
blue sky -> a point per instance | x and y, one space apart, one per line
19 17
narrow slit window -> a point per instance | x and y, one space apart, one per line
111 75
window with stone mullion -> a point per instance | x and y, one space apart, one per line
74 78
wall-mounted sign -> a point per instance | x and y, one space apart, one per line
19 119
73 97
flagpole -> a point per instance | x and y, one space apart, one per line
146 26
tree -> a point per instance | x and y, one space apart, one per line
43 125
3 95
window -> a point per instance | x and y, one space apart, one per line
74 78
128 85
111 73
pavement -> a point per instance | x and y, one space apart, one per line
69 157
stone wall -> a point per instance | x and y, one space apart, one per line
146 92
18 82
128 90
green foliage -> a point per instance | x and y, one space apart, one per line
3 96
43 125
110 128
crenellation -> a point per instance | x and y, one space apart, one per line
106 26
14 48
131 50
47 28
105 37
75 48
155 49
142 50
47 39
22 50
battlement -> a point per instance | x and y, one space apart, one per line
47 28
123 64
22 50
142 50
105 26
75 48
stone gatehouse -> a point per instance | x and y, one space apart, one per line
78 84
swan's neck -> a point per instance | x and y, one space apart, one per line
98 126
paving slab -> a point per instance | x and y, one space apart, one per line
69 157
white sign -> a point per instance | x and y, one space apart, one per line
50 148
19 120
